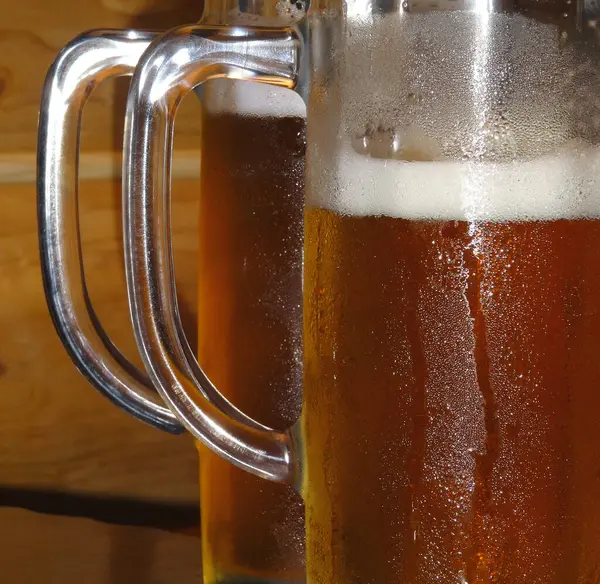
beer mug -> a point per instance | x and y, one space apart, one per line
250 272
451 285
250 530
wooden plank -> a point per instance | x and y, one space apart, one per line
56 431
56 550
31 36
20 167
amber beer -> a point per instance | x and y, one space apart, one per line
452 392
250 318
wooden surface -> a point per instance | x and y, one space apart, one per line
56 432
20 167
32 33
64 550
83 486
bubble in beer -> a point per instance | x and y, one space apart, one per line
410 143
292 9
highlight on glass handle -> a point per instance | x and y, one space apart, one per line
169 69
78 69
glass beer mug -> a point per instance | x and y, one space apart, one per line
250 269
251 530
451 283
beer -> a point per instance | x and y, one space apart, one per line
250 319
452 372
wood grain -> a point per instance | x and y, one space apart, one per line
32 34
56 431
20 167
59 550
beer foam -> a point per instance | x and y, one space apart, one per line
565 185
247 98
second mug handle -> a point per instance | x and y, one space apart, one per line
173 65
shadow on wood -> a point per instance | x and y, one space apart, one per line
178 517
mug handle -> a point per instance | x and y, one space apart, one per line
81 65
169 69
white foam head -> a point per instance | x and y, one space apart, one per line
565 185
252 99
